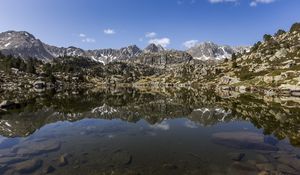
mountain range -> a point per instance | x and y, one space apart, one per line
24 45
210 50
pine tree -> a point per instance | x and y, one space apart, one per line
30 66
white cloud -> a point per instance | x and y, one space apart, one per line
220 1
190 124
190 43
88 40
160 41
150 35
84 38
82 35
254 3
162 126
180 2
109 31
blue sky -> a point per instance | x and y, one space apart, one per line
92 24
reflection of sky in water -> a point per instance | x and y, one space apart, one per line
154 145
160 137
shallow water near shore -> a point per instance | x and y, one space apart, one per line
130 131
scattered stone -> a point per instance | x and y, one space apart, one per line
243 140
290 160
28 166
263 173
63 160
121 157
242 168
261 159
48 169
286 169
265 166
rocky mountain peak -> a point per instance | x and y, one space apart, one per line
131 50
22 44
212 51
153 48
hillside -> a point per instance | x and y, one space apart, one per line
273 63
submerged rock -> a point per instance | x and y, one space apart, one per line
62 161
265 166
120 157
242 168
48 169
11 160
34 148
270 140
243 140
28 166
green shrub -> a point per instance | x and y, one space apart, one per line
295 27
279 32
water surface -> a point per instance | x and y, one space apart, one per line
130 131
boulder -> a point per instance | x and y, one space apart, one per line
121 157
39 84
8 105
281 53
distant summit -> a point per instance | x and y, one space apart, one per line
212 51
153 48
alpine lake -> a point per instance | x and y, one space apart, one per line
150 131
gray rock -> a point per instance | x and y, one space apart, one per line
121 157
62 161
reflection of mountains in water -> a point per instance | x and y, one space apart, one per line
202 107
